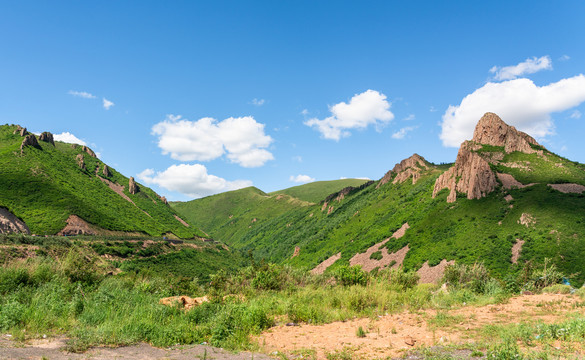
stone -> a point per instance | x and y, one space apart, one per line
20 130
408 168
491 130
88 151
132 186
29 140
47 137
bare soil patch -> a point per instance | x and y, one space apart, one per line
392 335
568 188
319 269
54 349
432 274
516 250
396 258
509 182
9 223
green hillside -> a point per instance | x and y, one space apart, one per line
316 192
230 215
43 186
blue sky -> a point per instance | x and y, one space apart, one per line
215 95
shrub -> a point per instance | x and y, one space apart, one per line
557 289
351 275
474 277
376 255
268 279
406 280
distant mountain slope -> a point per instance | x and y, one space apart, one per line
62 188
231 214
316 192
503 202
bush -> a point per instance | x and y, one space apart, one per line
268 279
406 280
475 277
546 276
557 289
351 275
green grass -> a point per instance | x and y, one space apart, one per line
316 192
44 187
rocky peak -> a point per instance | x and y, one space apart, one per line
47 137
491 130
132 186
407 168
29 140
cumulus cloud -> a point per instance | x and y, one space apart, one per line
107 104
400 134
301 179
242 139
68 138
530 66
258 102
518 102
81 94
190 180
367 108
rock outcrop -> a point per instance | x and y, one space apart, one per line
408 168
47 137
491 130
164 200
88 151
29 140
132 186
80 161
472 174
20 130
106 171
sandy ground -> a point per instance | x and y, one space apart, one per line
53 349
393 335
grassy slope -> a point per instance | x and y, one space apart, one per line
317 191
43 187
467 230
231 214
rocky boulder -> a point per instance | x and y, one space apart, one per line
29 140
47 137
404 170
20 130
132 186
9 223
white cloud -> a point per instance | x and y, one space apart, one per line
242 139
107 104
369 107
301 179
409 117
575 114
400 134
530 66
305 112
258 102
68 138
81 94
433 109
565 58
190 180
518 102
297 158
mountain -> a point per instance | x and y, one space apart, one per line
228 216
50 187
505 201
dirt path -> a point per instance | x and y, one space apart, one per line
53 349
392 335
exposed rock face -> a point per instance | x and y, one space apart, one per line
88 151
106 172
20 130
491 130
471 173
164 200
9 223
340 195
29 140
407 168
47 137
132 186
297 252
80 161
